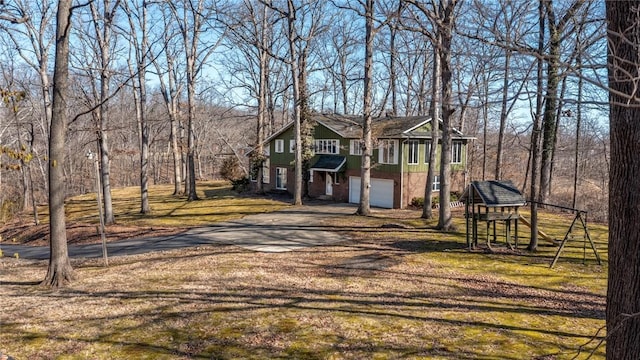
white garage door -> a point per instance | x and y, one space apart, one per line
381 194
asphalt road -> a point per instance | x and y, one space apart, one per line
289 229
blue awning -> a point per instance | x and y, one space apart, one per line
329 163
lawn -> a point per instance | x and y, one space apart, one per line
401 291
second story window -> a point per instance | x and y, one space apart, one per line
388 151
456 152
326 146
427 151
414 151
279 146
355 147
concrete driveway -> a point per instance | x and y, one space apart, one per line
289 229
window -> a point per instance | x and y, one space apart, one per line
279 146
456 152
427 152
355 147
388 153
266 177
281 178
414 151
265 172
436 183
326 146
292 146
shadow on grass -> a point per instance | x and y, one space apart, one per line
254 312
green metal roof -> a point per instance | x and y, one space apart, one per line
494 193
330 163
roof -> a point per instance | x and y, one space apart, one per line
330 163
494 193
350 127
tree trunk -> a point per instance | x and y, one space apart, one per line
623 291
576 163
140 98
59 272
364 207
535 139
427 211
104 41
503 113
445 221
295 78
262 102
191 176
549 122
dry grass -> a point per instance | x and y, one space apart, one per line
389 293
169 214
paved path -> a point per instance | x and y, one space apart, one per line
286 230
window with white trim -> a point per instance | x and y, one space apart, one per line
456 152
355 147
292 146
279 146
266 176
326 146
388 151
436 183
427 151
414 152
281 178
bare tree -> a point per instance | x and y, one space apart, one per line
623 291
556 28
139 41
364 207
193 19
171 88
60 271
103 23
442 16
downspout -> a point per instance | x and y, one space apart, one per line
402 173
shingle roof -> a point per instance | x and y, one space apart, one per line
494 193
350 126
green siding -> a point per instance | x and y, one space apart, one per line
422 165
354 161
285 158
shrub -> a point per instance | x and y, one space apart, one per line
230 169
240 185
419 201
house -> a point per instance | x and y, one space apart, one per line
399 164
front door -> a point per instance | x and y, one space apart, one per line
329 183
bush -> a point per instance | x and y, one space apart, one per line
240 185
230 169
419 201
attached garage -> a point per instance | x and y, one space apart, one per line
381 192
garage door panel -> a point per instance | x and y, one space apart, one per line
381 192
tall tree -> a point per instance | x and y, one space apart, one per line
445 23
535 134
294 64
364 207
193 19
103 22
139 41
60 271
623 291
171 87
556 28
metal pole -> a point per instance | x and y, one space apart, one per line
100 215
